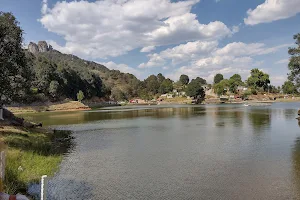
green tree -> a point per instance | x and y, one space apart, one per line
80 96
289 88
201 81
166 86
218 78
117 94
54 89
258 79
160 78
184 79
222 87
234 82
294 64
195 89
15 73
152 84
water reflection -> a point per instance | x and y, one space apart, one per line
260 119
296 165
181 152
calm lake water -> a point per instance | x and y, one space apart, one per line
186 152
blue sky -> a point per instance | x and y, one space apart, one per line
143 37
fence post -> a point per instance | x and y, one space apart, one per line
1 113
44 187
2 168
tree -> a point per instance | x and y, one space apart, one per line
258 79
201 81
166 86
294 64
289 88
184 79
15 74
160 78
80 96
234 82
152 84
222 87
54 89
117 94
218 78
195 89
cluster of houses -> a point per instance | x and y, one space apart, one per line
176 93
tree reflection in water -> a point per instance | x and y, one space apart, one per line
260 119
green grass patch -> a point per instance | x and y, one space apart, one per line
31 154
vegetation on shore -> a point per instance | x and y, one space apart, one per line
32 153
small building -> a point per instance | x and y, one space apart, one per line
241 89
224 98
169 96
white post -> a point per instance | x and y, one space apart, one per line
44 187
1 113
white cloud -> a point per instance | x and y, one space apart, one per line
283 61
113 27
123 68
44 9
181 53
148 49
243 49
277 80
272 10
233 58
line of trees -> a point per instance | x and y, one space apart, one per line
52 75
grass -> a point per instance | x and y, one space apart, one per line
32 153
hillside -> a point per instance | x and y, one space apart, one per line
59 75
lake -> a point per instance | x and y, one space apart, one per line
179 152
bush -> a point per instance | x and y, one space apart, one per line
254 91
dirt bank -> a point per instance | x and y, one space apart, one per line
65 106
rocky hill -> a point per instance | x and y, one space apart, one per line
53 68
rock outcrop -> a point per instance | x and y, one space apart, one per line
33 48
41 47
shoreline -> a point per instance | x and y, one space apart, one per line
31 153
72 106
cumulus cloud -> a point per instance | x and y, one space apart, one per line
272 10
113 27
148 49
240 49
181 53
123 68
207 60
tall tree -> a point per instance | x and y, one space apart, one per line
15 74
294 64
289 88
222 87
234 82
166 86
195 89
201 81
218 78
152 84
184 79
258 79
160 78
